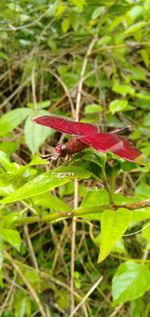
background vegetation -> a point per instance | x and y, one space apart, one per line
86 60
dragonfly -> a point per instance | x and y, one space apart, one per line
86 135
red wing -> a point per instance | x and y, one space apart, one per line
103 142
107 142
128 152
66 126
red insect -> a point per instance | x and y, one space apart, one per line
85 135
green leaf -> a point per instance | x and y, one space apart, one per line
74 20
63 300
95 157
93 108
22 305
135 27
12 218
12 119
139 74
115 23
79 3
134 12
97 12
128 166
5 162
145 56
40 105
121 200
50 201
5 186
143 190
131 281
113 225
119 247
12 237
146 232
118 105
141 214
31 274
95 197
9 147
123 89
146 121
47 181
65 25
106 39
36 134
60 10
3 56
37 160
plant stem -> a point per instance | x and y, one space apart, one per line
108 188
58 216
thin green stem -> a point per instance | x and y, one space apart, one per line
112 182
108 188
58 216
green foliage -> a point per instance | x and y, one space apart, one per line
11 236
47 181
12 119
44 47
118 105
113 225
127 285
93 108
35 135
22 305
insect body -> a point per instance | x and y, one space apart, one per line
85 135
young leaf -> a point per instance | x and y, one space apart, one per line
119 247
134 12
12 119
9 147
79 3
35 135
118 105
146 232
50 201
6 163
65 25
97 12
123 89
95 197
47 181
113 225
39 105
141 214
145 56
93 108
22 305
135 27
11 236
143 190
131 281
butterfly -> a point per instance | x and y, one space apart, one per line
86 135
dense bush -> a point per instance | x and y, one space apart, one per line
68 247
